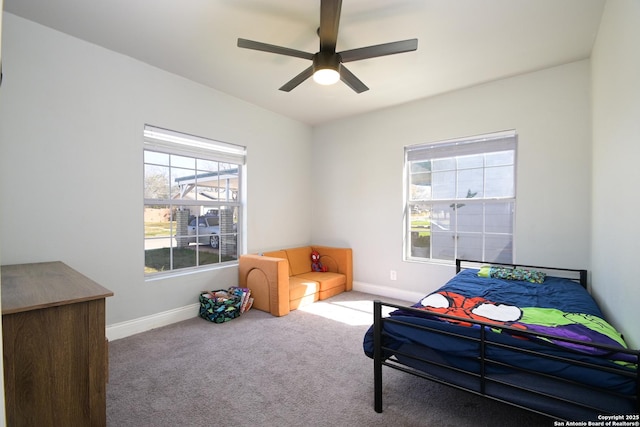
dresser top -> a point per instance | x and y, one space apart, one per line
28 287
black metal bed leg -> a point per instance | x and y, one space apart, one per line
377 355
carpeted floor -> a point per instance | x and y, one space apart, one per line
303 369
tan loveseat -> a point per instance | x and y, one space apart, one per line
281 281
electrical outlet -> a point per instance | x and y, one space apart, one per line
393 275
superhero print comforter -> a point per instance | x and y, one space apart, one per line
558 307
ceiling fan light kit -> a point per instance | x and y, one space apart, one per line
327 67
326 76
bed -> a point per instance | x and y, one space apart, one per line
528 336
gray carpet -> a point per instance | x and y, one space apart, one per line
303 369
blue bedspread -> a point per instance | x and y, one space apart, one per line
562 294
558 307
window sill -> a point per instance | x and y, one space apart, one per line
187 271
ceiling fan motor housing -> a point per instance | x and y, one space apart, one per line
326 60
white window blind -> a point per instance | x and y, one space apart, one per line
167 141
500 141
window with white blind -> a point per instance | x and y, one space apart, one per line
460 199
192 201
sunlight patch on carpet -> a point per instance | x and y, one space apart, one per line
353 313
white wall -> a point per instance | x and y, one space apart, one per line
616 166
359 165
71 121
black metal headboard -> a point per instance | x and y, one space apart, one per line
577 275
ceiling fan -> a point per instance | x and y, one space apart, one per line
327 67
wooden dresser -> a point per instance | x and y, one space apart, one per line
55 350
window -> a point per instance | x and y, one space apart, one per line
460 199
192 201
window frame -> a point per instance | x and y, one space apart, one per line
458 150
228 158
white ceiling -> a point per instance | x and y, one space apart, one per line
460 43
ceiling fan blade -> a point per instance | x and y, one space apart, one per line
329 23
351 80
379 50
265 47
291 84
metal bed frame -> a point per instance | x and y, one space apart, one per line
492 386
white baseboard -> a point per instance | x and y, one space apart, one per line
146 323
385 291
